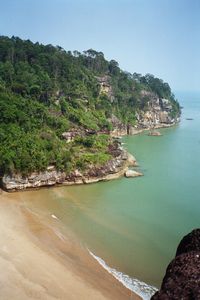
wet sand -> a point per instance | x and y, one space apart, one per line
38 262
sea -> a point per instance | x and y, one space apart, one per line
132 227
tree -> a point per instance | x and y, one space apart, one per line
113 67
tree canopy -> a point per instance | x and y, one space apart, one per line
45 91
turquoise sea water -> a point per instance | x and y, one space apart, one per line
135 225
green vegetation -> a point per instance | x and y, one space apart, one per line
91 150
46 91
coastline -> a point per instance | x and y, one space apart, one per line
136 131
115 169
71 273
49 265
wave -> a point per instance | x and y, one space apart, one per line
141 288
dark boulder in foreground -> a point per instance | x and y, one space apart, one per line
190 242
182 278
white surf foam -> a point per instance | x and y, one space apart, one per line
141 288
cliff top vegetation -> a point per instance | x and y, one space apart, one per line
46 91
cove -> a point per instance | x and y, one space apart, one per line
135 225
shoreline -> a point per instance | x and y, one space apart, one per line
56 178
49 261
136 131
50 265
119 171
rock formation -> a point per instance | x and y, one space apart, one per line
154 133
105 86
158 112
182 278
114 168
132 173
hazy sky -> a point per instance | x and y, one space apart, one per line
161 37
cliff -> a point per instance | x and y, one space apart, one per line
59 108
113 169
182 278
157 114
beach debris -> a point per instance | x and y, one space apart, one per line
54 217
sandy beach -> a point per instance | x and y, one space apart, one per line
37 262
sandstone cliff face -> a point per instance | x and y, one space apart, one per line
182 278
157 113
105 86
118 127
111 170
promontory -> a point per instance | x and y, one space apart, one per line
61 111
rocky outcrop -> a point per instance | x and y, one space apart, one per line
119 128
132 173
190 242
158 112
36 179
105 86
114 168
70 135
154 133
182 278
154 111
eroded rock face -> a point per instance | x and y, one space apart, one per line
118 127
52 177
182 278
105 86
157 113
34 180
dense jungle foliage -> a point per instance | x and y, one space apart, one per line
45 91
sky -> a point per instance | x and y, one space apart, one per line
161 37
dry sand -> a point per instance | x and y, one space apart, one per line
37 262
